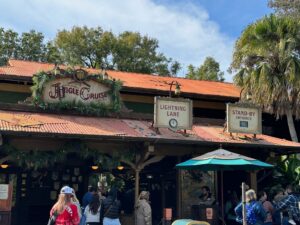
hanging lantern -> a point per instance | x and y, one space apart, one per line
4 166
95 167
120 167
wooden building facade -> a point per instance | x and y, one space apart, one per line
47 148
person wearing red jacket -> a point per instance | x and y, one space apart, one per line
66 211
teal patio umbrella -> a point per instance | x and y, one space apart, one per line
223 160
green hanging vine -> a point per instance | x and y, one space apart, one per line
36 159
42 78
106 161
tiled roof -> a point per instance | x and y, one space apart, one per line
26 69
40 123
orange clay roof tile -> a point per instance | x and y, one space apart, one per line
17 122
26 69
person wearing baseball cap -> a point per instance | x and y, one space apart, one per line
64 210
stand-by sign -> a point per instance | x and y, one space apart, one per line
243 119
174 113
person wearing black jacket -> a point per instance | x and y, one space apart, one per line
111 209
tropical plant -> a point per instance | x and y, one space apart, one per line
266 63
287 170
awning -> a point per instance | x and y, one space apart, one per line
23 123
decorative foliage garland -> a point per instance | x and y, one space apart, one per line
36 159
42 78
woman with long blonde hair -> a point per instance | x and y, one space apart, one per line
255 213
65 209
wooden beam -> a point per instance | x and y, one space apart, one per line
196 103
20 88
137 98
209 105
253 181
143 157
154 159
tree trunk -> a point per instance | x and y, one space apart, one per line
291 125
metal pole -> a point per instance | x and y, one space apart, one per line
244 203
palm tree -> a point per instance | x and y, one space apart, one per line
266 61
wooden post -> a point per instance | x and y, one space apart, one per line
137 185
141 161
178 192
136 192
253 180
222 195
216 185
163 195
244 204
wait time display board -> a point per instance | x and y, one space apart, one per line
242 119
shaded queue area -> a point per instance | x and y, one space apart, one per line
37 179
36 185
42 152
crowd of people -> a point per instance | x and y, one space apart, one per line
283 208
96 209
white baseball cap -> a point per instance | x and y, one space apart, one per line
66 190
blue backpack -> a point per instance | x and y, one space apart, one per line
250 213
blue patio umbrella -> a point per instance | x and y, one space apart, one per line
223 160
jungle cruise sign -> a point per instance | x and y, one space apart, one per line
68 90
76 89
243 119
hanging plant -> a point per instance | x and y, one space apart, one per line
41 79
106 161
37 159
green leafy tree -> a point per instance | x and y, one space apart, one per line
31 46
209 70
129 51
9 45
136 53
286 7
90 47
52 54
266 64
